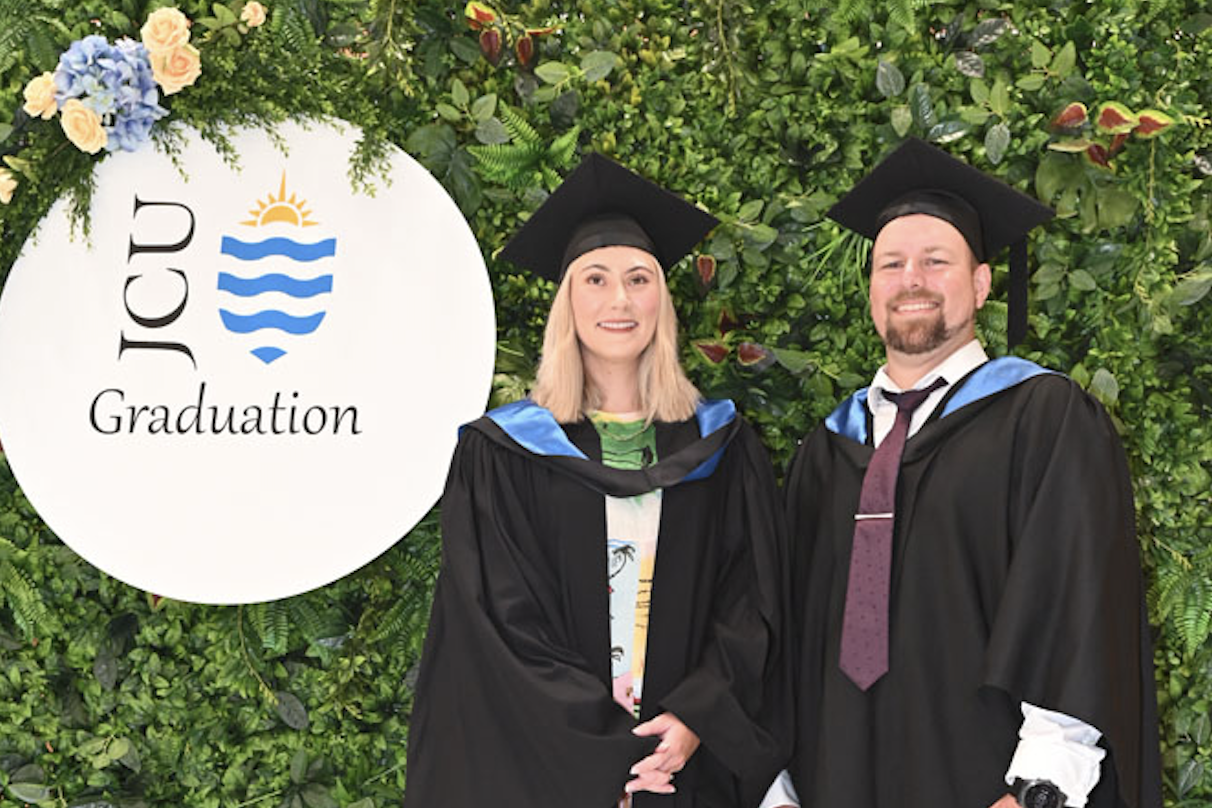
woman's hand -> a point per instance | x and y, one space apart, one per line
678 742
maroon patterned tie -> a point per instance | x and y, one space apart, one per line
864 656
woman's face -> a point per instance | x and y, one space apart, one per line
615 295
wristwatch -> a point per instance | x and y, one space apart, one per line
1038 794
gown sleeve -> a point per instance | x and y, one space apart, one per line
506 711
1071 634
737 697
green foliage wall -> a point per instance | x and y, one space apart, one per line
762 112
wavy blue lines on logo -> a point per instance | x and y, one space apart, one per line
284 303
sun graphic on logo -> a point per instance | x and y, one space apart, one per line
280 209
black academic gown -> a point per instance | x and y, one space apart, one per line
1016 577
513 703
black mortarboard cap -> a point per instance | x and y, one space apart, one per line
920 178
603 204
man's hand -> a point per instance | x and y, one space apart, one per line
1007 801
678 742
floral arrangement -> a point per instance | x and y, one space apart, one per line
108 95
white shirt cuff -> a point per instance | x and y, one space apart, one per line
781 792
1057 747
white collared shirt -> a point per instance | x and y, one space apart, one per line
952 369
1052 746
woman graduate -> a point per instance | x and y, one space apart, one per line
608 623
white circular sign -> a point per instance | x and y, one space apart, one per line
246 382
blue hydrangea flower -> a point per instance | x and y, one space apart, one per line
116 82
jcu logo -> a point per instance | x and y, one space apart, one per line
276 283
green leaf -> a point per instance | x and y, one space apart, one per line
298 767
1104 387
466 49
484 107
1190 774
1192 288
131 759
921 105
28 792
795 361
750 210
29 773
970 64
291 710
974 116
1083 280
902 119
1052 175
1040 55
553 72
979 91
224 15
761 236
459 94
92 747
999 98
105 668
1031 82
989 31
1065 61
448 112
997 140
1049 273
1116 208
1201 729
318 796
365 802
492 131
1197 23
432 144
888 79
5 131
117 748
598 64
947 131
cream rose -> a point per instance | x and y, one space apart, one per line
165 29
83 127
176 68
40 97
253 14
8 184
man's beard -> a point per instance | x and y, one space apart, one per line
922 334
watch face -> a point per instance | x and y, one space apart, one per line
1041 795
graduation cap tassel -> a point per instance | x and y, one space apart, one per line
1016 320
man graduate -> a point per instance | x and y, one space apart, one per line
966 574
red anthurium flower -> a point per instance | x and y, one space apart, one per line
524 48
1114 118
726 322
490 45
750 353
1098 155
713 352
1152 123
479 14
1071 117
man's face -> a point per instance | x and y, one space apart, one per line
925 286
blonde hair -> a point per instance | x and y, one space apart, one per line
562 386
